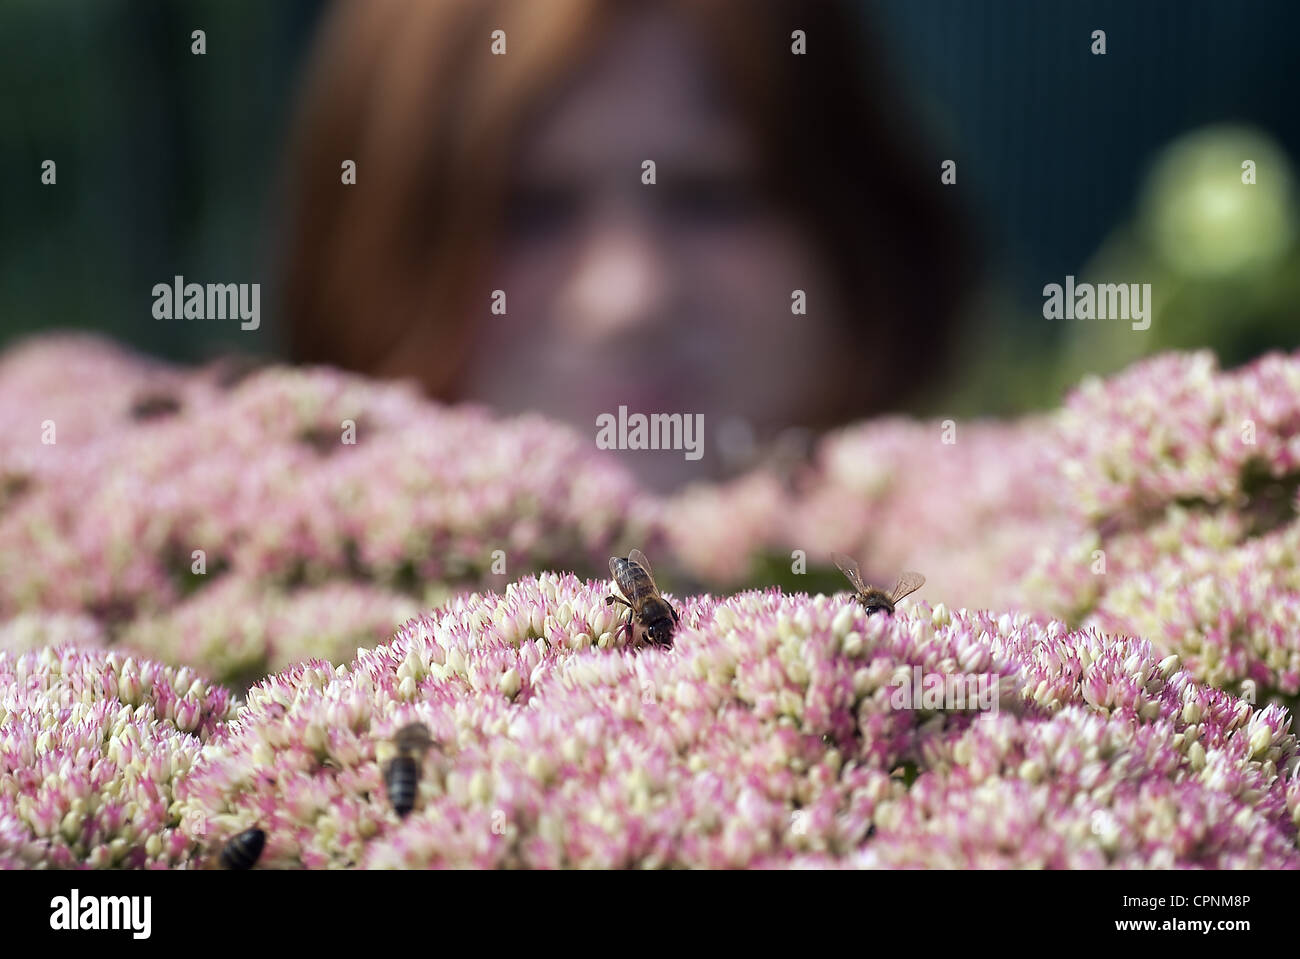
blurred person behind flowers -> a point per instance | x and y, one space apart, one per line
522 172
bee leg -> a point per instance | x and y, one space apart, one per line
610 601
627 624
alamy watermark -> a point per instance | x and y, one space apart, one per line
934 691
77 912
1103 301
654 431
212 301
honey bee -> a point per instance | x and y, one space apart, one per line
402 774
243 850
877 599
645 606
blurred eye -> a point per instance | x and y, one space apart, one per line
709 200
541 210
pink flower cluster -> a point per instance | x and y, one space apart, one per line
969 504
1176 429
36 630
128 486
1183 481
92 745
773 733
1232 614
1131 486
1160 503
240 631
1170 464
1144 536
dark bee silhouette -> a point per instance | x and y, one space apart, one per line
152 406
645 606
872 598
243 850
402 775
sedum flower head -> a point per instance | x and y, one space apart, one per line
770 734
1175 428
237 632
289 478
37 630
1139 545
92 745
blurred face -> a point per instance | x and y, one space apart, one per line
666 298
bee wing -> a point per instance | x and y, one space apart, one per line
849 567
637 558
908 582
616 564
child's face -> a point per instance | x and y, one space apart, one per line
671 297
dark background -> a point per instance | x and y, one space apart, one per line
169 163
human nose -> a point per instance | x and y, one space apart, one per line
621 283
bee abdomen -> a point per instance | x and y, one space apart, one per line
402 779
243 850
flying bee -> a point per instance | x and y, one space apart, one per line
402 774
645 606
243 850
877 599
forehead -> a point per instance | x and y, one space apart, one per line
647 90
